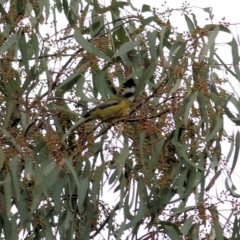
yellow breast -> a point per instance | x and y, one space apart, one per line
118 110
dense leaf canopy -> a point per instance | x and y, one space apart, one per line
153 174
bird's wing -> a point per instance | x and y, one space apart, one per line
102 106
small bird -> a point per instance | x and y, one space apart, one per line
116 106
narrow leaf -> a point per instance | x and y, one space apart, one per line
146 8
1 157
126 47
172 233
23 49
211 40
217 128
7 45
190 24
7 193
236 154
88 46
187 225
82 192
235 56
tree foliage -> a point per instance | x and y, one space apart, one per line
151 175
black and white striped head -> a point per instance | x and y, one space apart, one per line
128 89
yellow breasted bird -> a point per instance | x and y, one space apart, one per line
116 106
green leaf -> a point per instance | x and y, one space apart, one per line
126 47
7 45
48 231
179 54
88 46
214 178
190 24
10 105
1 158
210 27
72 128
97 182
172 233
130 3
236 226
68 12
124 153
7 194
218 230
121 230
69 82
82 193
79 90
147 21
185 157
15 181
47 8
207 9
175 87
236 154
187 225
48 169
94 27
35 49
231 189
113 177
225 65
194 232
202 106
23 48
59 5
188 107
194 19
126 208
27 83
146 75
58 188
101 85
217 128
146 8
214 212
141 209
141 143
173 50
11 139
177 211
14 226
152 37
211 40
75 177
231 150
235 56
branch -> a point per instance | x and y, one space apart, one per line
105 222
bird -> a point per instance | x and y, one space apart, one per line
116 106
